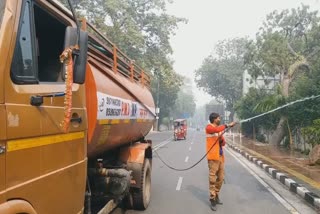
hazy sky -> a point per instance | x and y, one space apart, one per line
214 20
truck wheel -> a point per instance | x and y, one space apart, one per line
141 197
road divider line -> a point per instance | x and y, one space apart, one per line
163 143
187 158
189 148
179 184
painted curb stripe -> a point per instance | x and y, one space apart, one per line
310 197
290 171
288 182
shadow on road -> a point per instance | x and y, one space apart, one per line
200 194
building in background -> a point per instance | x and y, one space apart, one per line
264 83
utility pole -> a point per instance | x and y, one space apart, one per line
156 128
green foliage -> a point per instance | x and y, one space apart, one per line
313 133
288 45
286 37
307 84
221 74
261 138
246 107
199 118
169 87
269 101
185 103
141 30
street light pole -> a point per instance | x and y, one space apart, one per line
157 102
157 110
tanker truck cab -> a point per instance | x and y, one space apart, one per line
43 121
65 145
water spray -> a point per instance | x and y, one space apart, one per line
278 108
240 122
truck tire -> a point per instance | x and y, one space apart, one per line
141 197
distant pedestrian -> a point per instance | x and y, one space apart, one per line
215 157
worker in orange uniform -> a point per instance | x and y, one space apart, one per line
215 157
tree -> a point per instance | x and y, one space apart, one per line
303 114
250 106
285 45
185 104
141 30
199 118
221 74
169 86
313 132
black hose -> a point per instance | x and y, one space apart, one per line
192 166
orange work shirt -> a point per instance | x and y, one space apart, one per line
212 134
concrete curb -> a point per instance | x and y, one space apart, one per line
310 197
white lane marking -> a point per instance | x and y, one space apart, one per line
288 206
179 184
163 143
187 158
189 148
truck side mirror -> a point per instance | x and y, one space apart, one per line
79 71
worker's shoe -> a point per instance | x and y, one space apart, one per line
218 201
213 204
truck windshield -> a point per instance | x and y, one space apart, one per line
2 5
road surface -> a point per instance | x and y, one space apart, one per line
247 189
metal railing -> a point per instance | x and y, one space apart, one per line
104 51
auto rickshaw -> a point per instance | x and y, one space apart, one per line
179 129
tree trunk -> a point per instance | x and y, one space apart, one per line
279 133
290 135
285 83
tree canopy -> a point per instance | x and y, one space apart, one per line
286 48
140 29
185 105
220 74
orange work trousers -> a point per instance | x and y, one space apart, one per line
216 176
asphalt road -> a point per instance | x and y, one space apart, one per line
247 190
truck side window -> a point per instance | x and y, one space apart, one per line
50 41
23 65
2 5
39 44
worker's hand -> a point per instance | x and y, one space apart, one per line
232 124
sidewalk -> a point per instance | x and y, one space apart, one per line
290 165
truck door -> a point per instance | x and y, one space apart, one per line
2 152
3 54
43 163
